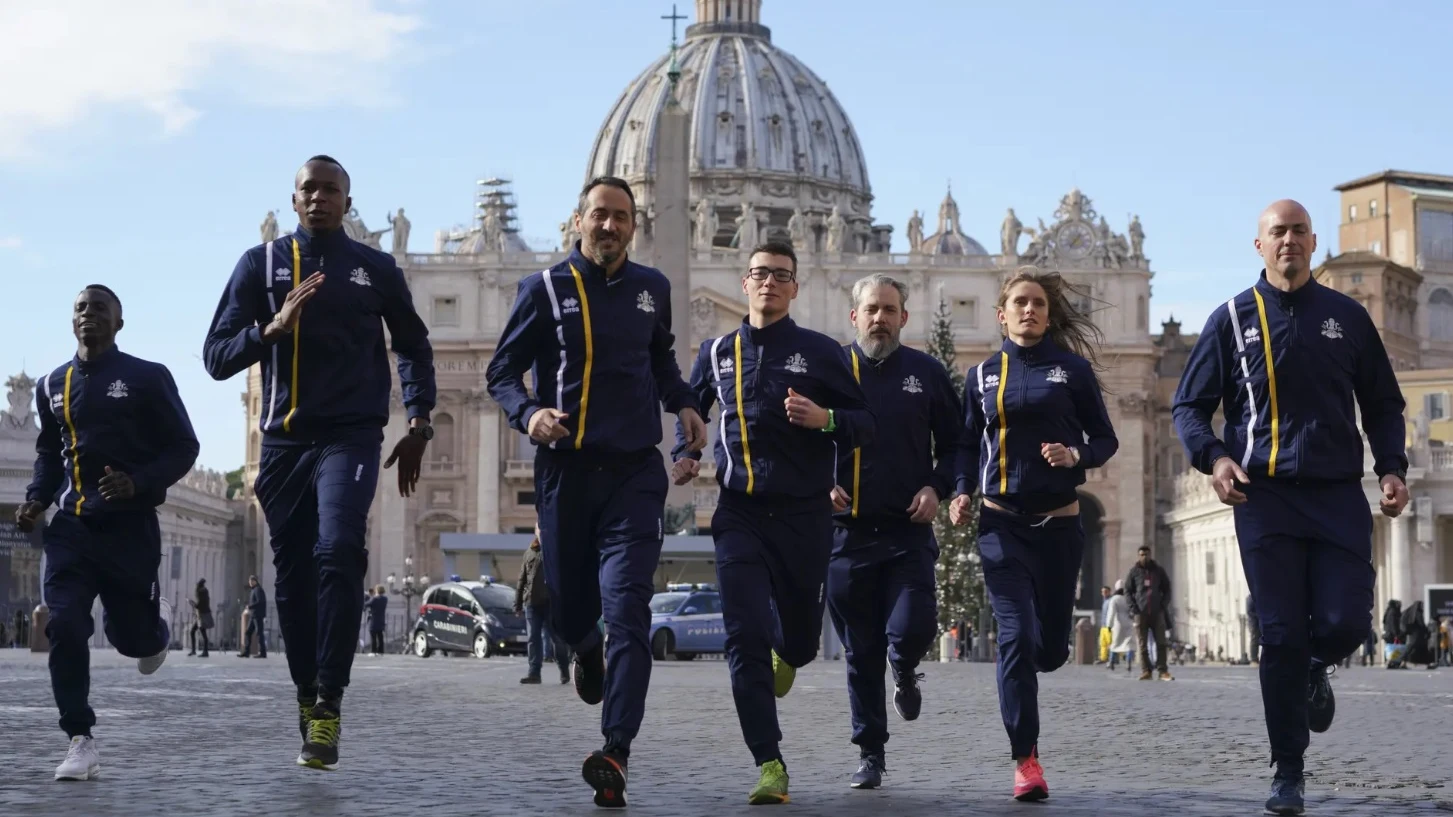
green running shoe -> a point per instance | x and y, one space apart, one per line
320 750
772 788
783 674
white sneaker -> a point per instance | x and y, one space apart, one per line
153 663
82 762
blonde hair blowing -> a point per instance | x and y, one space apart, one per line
1069 328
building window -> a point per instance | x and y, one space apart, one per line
1372 209
176 562
1376 247
1210 568
1356 277
1435 236
525 499
1440 315
444 450
1351 212
446 311
966 312
1435 405
522 529
1142 312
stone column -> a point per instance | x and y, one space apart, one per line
671 247
1130 466
487 469
1400 559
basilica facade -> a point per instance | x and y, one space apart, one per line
771 154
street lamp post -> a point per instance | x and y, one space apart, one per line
410 587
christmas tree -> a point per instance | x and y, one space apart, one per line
960 582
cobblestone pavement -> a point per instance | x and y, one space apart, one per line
462 736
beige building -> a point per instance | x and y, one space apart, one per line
769 151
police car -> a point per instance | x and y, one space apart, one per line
469 617
686 622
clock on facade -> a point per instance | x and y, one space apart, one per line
1075 239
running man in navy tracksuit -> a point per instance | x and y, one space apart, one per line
1036 422
788 405
114 436
325 403
595 331
1287 360
880 583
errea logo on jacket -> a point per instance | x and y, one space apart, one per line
570 305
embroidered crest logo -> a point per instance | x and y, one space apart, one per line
570 305
1057 375
1331 328
912 385
645 302
797 364
360 276
116 390
1252 334
991 382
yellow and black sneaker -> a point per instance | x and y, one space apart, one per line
320 748
305 716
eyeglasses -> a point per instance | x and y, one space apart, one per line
781 276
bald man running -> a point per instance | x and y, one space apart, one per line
1286 359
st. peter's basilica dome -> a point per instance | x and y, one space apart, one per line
765 129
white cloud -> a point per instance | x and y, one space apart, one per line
63 60
10 242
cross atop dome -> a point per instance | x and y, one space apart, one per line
740 17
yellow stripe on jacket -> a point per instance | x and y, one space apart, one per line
589 357
1270 385
75 441
742 415
297 341
857 452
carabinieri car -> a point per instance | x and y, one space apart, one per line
475 617
686 622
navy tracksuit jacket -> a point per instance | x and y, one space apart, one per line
119 412
325 401
880 582
1287 368
773 522
1014 402
600 350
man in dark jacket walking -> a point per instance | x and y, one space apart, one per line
256 620
1147 588
532 598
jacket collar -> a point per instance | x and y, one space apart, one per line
97 362
320 243
588 267
772 333
1296 296
1044 350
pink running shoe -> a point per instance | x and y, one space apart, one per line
1029 784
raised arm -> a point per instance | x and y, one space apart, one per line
234 342
703 394
409 339
178 442
853 422
1381 400
966 463
50 468
1200 393
518 346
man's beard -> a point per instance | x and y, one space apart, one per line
877 347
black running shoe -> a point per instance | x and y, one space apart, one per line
590 675
869 774
606 773
1286 795
1321 704
305 716
320 749
907 697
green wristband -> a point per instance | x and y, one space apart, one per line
831 422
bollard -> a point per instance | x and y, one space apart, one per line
1085 646
947 648
39 641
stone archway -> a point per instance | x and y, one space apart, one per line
1092 566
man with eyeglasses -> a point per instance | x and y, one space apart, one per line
788 404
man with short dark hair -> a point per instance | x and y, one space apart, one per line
326 402
114 437
532 600
880 582
256 620
1147 590
789 403
1289 362
595 331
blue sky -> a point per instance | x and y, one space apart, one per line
146 157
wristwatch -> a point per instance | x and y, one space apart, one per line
426 431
